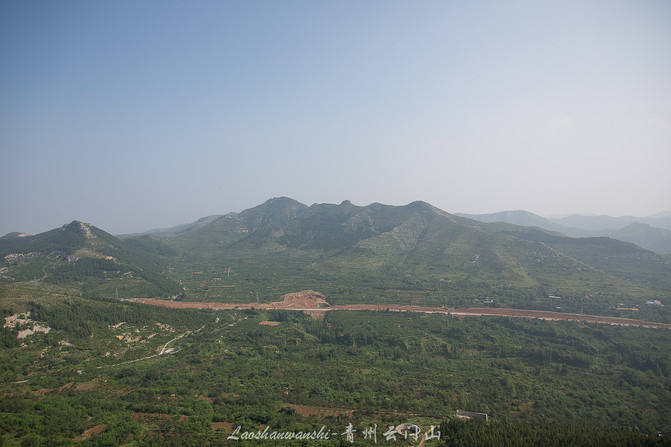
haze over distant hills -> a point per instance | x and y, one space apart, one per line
177 229
652 232
599 223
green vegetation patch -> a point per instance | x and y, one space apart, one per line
139 374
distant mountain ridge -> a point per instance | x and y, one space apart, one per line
412 253
517 217
652 233
177 229
599 223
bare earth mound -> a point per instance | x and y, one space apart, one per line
307 299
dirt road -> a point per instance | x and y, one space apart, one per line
467 312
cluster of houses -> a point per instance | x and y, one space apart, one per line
635 309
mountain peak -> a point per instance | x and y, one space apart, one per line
82 257
283 200
420 204
77 226
272 212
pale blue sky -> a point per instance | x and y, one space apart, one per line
134 115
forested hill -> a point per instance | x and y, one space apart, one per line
415 254
412 254
80 257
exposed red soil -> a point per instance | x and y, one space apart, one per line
85 386
269 323
552 316
41 391
314 302
90 432
320 412
307 299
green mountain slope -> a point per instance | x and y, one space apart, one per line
645 236
624 260
80 257
210 239
410 254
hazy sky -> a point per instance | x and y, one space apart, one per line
133 115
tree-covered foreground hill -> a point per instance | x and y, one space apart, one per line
102 372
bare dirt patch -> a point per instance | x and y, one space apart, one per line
320 412
90 432
554 316
307 299
269 323
41 391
